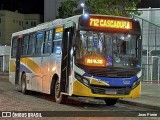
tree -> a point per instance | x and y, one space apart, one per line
67 8
108 7
113 7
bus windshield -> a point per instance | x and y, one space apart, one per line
107 49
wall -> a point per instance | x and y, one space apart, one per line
51 9
13 22
5 54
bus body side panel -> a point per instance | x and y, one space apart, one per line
50 66
25 67
31 68
34 73
39 72
46 77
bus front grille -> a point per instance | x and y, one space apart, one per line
111 90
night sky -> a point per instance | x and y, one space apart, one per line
149 3
37 6
23 6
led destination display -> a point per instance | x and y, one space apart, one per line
110 23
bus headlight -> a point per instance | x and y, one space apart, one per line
82 79
78 77
136 83
85 81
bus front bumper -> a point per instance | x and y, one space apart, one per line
80 89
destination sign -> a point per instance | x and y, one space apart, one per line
110 23
94 61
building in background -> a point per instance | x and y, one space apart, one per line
51 9
4 58
11 22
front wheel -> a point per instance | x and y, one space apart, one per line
60 98
23 84
110 102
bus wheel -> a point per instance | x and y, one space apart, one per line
23 83
110 102
60 98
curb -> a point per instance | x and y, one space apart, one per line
139 104
4 73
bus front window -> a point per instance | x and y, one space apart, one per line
106 49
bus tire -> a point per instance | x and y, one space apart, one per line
110 102
23 84
60 98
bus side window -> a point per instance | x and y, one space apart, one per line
57 47
39 41
14 46
24 45
47 42
123 47
57 42
31 44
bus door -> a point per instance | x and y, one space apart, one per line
68 33
38 60
18 56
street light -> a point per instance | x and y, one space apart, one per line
83 5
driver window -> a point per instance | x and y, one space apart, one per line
57 43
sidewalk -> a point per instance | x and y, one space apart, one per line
150 97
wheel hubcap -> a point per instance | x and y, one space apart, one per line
23 84
57 90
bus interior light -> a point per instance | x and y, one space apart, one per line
57 34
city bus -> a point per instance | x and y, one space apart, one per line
95 56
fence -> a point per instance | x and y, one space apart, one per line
151 71
151 50
1 63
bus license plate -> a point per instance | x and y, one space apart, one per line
111 92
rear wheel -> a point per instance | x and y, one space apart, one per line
60 98
110 102
23 84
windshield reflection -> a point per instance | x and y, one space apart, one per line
107 49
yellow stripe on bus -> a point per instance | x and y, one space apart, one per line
32 65
12 66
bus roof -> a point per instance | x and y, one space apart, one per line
57 22
60 22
